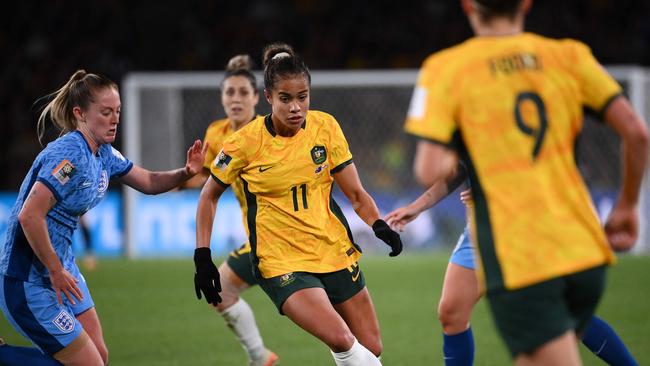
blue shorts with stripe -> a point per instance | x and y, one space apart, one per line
33 310
463 254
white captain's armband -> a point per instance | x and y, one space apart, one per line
418 103
222 160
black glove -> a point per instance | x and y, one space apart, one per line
388 236
206 278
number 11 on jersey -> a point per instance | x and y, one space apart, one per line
294 192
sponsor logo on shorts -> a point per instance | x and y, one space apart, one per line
243 249
64 322
287 279
354 271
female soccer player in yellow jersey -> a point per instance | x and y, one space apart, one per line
239 96
510 105
302 249
460 291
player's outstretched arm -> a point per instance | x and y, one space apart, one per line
150 182
206 277
433 162
365 207
197 181
623 222
399 217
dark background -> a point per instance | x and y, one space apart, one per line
43 42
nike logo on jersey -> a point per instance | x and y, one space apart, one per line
86 184
263 169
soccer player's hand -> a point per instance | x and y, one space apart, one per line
195 157
622 227
206 278
63 282
399 217
466 197
388 236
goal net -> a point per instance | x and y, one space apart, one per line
165 112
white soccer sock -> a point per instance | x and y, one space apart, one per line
240 319
358 355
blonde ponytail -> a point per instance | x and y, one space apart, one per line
77 92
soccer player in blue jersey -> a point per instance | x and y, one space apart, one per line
42 292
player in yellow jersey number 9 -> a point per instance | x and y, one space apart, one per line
510 105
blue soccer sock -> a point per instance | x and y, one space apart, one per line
17 356
458 349
603 341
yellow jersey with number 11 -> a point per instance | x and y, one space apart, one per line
294 223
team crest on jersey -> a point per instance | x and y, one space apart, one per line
318 154
64 322
63 171
222 160
103 182
287 279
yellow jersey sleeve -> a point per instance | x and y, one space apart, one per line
230 160
597 86
210 154
340 154
214 135
432 108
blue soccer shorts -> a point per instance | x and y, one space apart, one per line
463 254
33 310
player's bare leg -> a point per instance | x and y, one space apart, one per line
90 322
460 294
231 286
81 352
560 351
311 309
358 312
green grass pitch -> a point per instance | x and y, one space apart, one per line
151 316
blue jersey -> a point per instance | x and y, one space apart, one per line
78 179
